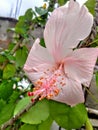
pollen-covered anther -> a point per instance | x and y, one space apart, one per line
56 92
49 96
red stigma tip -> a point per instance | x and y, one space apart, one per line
30 94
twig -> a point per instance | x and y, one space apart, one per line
14 118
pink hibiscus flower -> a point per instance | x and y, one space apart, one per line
58 71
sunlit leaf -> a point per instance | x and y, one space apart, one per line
21 105
45 125
68 117
38 113
28 127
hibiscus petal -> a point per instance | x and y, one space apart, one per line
71 93
37 62
66 27
38 55
80 63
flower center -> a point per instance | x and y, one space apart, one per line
49 85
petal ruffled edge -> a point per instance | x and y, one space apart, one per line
79 65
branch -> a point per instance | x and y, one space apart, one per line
14 118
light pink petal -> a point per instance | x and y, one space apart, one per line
71 93
66 27
35 73
37 62
38 55
80 63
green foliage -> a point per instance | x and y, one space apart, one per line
6 89
15 95
21 104
97 79
2 104
9 71
28 15
62 2
2 58
33 116
8 55
91 5
24 23
6 113
44 112
42 42
41 11
21 56
28 127
45 124
68 117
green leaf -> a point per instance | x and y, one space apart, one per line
90 5
15 95
6 89
2 59
21 56
96 78
62 2
68 117
42 42
11 46
28 127
33 116
6 113
41 11
9 71
29 14
21 105
2 104
45 125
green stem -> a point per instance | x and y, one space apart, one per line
88 125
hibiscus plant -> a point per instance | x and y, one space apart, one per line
57 69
